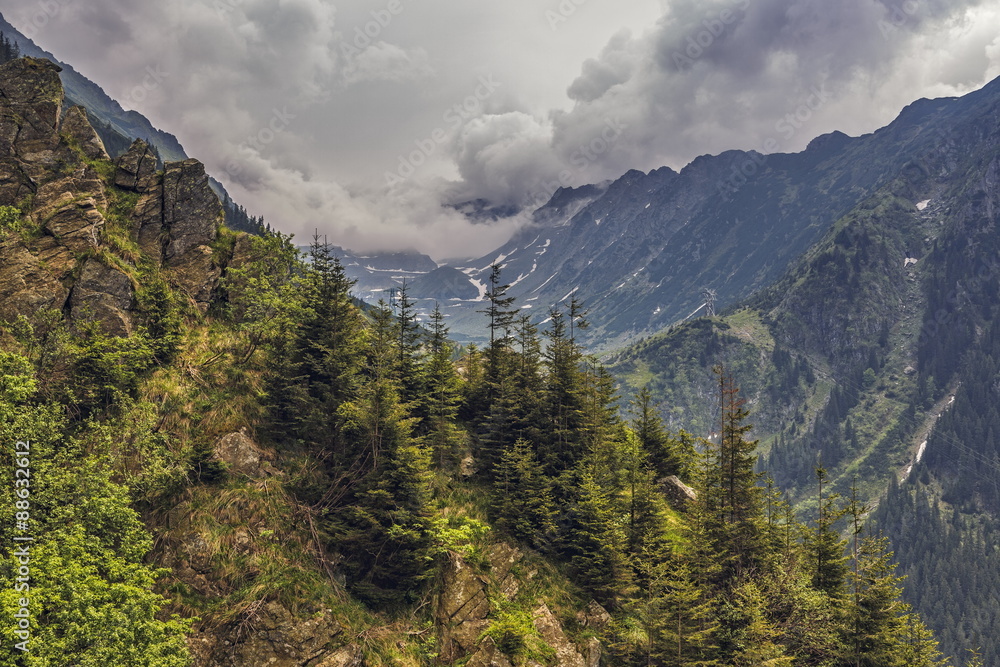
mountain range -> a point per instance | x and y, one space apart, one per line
851 288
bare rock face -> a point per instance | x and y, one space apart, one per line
191 209
551 630
31 98
104 295
678 494
135 170
271 635
462 609
177 218
32 279
78 129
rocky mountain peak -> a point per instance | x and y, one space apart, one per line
65 251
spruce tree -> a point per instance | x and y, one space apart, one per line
522 504
382 524
826 548
441 392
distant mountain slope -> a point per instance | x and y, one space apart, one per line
875 355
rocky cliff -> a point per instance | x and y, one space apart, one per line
84 227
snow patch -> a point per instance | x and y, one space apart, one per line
481 286
569 294
647 205
920 451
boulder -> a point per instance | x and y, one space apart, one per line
594 616
346 656
135 169
488 655
242 455
678 494
271 635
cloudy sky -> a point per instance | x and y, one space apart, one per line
364 117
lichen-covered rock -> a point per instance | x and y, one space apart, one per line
31 278
136 169
191 210
78 129
551 630
104 295
462 609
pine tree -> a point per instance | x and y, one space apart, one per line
826 547
731 496
593 543
382 523
522 504
441 393
320 364
562 447
669 456
408 345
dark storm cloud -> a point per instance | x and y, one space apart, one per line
306 108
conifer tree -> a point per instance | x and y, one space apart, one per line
408 345
826 547
442 389
593 543
522 503
732 498
382 524
563 400
320 364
